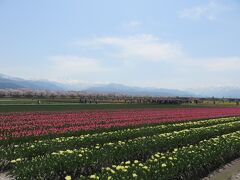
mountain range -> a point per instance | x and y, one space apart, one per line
137 91
8 82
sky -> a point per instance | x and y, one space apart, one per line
147 43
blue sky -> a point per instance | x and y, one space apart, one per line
157 43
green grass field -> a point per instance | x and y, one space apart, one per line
75 107
72 104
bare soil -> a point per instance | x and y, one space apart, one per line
5 176
230 171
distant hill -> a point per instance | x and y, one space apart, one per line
129 90
7 82
16 83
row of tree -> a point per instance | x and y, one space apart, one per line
84 97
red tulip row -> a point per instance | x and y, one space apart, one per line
36 123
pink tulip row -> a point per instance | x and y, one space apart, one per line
43 123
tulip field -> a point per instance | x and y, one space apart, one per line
166 143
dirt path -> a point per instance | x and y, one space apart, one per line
230 171
4 176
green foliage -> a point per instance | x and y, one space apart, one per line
85 161
189 162
43 147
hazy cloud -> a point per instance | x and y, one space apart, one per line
223 64
77 64
208 11
132 25
145 47
144 57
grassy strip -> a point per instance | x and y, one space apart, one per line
39 148
74 107
89 160
190 162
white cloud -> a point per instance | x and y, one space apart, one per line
132 25
208 65
208 11
141 60
149 48
145 47
77 64
223 64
